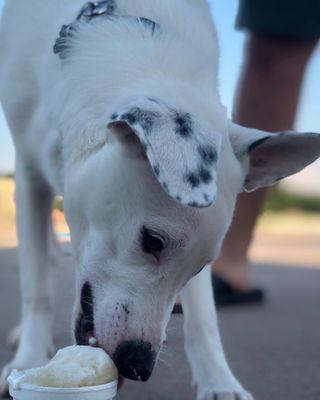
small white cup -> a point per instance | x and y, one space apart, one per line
31 392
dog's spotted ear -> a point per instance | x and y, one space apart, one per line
182 152
270 157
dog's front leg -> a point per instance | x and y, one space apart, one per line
211 373
33 202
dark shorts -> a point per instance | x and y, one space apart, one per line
287 18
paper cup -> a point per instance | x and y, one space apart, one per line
31 392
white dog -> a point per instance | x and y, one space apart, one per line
124 120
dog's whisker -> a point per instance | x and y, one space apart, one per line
161 357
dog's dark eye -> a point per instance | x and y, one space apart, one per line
151 242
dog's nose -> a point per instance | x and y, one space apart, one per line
135 360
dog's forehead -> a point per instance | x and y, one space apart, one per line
130 191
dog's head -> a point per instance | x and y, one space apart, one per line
150 208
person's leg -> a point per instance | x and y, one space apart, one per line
268 96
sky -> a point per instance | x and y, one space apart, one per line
231 44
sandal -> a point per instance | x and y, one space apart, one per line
226 295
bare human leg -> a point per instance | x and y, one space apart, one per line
267 98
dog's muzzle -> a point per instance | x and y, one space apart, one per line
135 360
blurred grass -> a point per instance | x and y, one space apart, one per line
280 200
58 203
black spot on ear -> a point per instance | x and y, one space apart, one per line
193 179
183 124
129 117
194 204
257 143
125 308
205 175
206 197
145 118
147 121
114 117
208 154
178 198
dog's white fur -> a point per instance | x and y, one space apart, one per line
58 112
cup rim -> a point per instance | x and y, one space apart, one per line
44 389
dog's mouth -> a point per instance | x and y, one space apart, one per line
84 330
134 359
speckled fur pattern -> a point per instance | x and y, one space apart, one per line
125 122
191 178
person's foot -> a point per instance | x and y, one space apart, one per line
225 294
177 309
233 284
